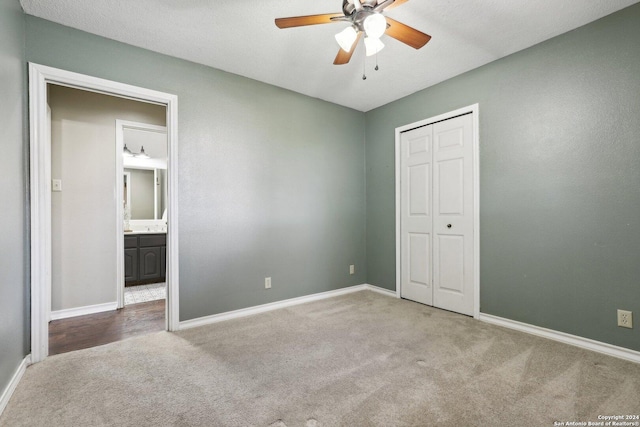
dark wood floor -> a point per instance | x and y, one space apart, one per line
92 330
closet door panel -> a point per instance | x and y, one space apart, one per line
416 214
453 214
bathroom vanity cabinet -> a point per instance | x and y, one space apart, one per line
144 258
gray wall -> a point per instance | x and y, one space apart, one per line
271 183
559 179
14 259
83 214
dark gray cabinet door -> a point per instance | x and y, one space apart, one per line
130 264
145 259
149 263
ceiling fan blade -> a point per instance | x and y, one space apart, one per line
407 35
396 3
344 57
301 21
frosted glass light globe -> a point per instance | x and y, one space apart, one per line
375 25
346 37
372 45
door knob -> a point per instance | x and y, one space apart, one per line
448 225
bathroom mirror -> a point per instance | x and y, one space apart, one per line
145 192
144 161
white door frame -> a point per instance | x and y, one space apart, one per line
128 175
474 109
121 125
40 185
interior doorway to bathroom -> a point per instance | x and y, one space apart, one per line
141 172
95 140
77 209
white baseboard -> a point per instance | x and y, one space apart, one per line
380 290
15 380
586 343
215 318
81 311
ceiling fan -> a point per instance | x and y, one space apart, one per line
366 18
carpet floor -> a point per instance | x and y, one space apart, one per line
361 359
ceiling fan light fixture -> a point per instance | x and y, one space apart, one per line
346 37
375 25
365 19
373 45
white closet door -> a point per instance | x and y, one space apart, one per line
416 214
453 214
436 223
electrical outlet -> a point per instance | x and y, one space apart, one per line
352 269
267 282
625 319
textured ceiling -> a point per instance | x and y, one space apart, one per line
239 36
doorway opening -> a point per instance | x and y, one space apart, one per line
77 189
141 179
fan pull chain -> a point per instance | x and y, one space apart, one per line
364 68
376 61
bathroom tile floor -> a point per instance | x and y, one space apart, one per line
145 293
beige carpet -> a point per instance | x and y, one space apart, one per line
361 359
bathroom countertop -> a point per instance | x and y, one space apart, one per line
145 232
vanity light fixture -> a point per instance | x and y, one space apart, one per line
128 153
142 154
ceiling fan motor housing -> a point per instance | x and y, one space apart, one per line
358 16
348 7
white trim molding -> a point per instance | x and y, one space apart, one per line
40 190
586 343
475 111
13 383
249 311
380 290
81 311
